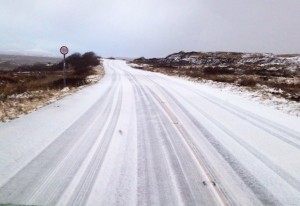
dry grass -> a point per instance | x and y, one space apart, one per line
20 82
23 92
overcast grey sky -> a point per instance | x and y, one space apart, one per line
151 28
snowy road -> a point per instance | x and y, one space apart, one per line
140 138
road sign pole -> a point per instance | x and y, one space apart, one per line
64 50
65 82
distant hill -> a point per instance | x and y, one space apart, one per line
10 62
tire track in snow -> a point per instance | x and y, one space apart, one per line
83 189
261 192
284 175
250 117
209 179
275 168
193 192
260 123
25 186
150 157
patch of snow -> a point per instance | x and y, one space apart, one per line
66 89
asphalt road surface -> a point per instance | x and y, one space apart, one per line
140 138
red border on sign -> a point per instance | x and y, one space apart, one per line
64 50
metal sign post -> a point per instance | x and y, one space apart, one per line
64 50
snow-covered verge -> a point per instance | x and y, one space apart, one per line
17 105
265 95
262 94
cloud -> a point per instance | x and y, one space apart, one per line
150 27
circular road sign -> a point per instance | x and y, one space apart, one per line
64 50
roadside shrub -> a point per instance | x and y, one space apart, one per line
218 70
193 73
82 63
247 81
